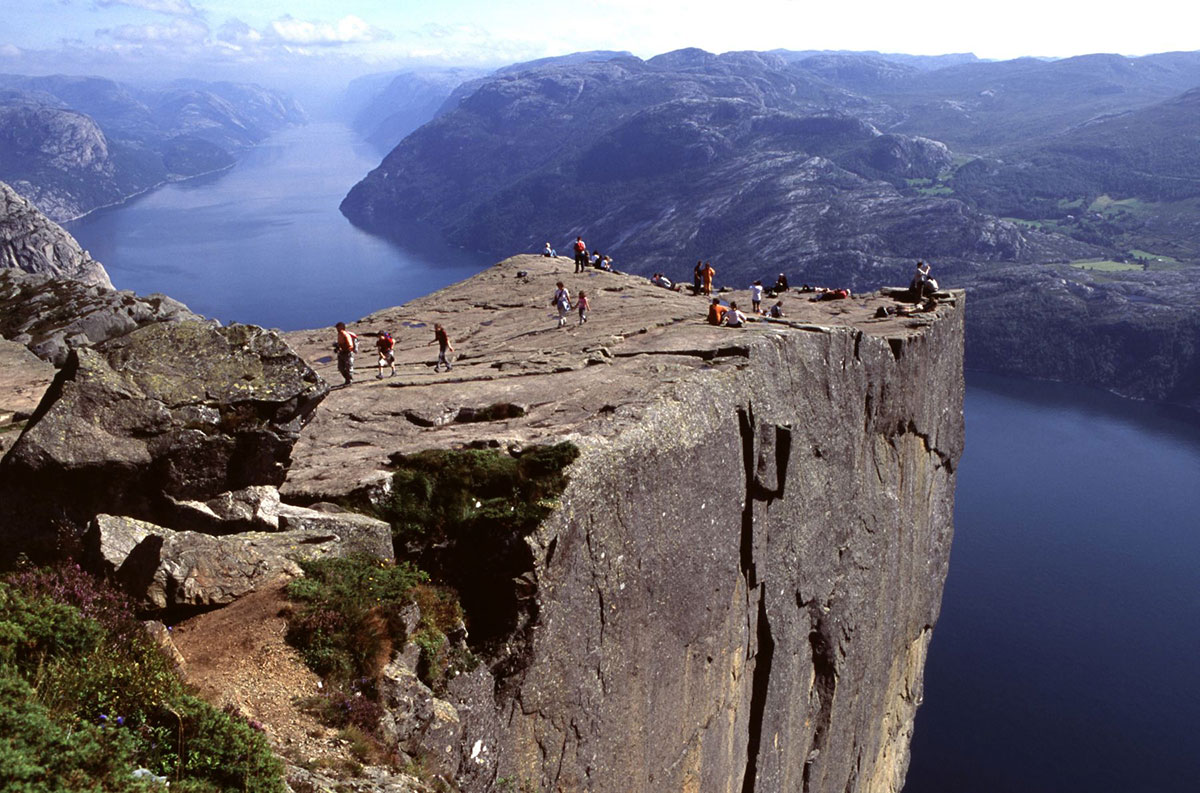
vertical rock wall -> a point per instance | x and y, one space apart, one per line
738 590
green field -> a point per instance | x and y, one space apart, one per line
1107 266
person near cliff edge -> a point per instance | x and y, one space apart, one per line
444 346
385 345
581 255
708 274
346 344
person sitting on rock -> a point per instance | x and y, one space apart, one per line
385 345
345 345
550 252
733 317
919 286
605 264
781 284
716 312
777 310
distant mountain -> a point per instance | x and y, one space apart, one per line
743 158
72 144
385 108
984 107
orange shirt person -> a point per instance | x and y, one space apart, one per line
716 312
709 273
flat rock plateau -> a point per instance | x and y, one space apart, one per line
735 589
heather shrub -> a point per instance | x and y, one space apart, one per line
348 619
86 697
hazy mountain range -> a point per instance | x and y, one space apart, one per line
72 144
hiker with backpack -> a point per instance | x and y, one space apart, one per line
581 255
385 345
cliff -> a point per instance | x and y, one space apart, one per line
736 588
31 242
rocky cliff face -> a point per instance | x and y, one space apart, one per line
736 589
31 242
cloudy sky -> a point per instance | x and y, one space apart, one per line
324 38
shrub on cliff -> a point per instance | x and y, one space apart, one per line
349 618
86 697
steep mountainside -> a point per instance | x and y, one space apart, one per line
31 242
682 157
72 144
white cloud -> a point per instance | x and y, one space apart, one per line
9 51
347 30
237 33
179 31
176 7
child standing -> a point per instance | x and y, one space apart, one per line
444 345
583 305
756 290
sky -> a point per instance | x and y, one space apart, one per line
282 41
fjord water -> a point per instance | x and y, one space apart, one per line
264 242
1065 658
1066 652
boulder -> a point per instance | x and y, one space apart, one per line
170 412
418 722
169 569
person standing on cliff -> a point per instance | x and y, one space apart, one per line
697 277
385 345
347 343
581 255
561 301
444 346
709 274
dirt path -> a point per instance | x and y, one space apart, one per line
237 656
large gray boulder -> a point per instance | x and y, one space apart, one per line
170 412
178 569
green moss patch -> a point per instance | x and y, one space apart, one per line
463 516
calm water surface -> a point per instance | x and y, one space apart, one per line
264 242
1066 655
1067 652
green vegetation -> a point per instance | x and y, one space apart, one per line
1107 266
349 618
476 492
86 697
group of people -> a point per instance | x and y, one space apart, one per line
346 346
582 258
562 301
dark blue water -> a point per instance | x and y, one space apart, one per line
1067 654
264 242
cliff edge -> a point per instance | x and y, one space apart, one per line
737 586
